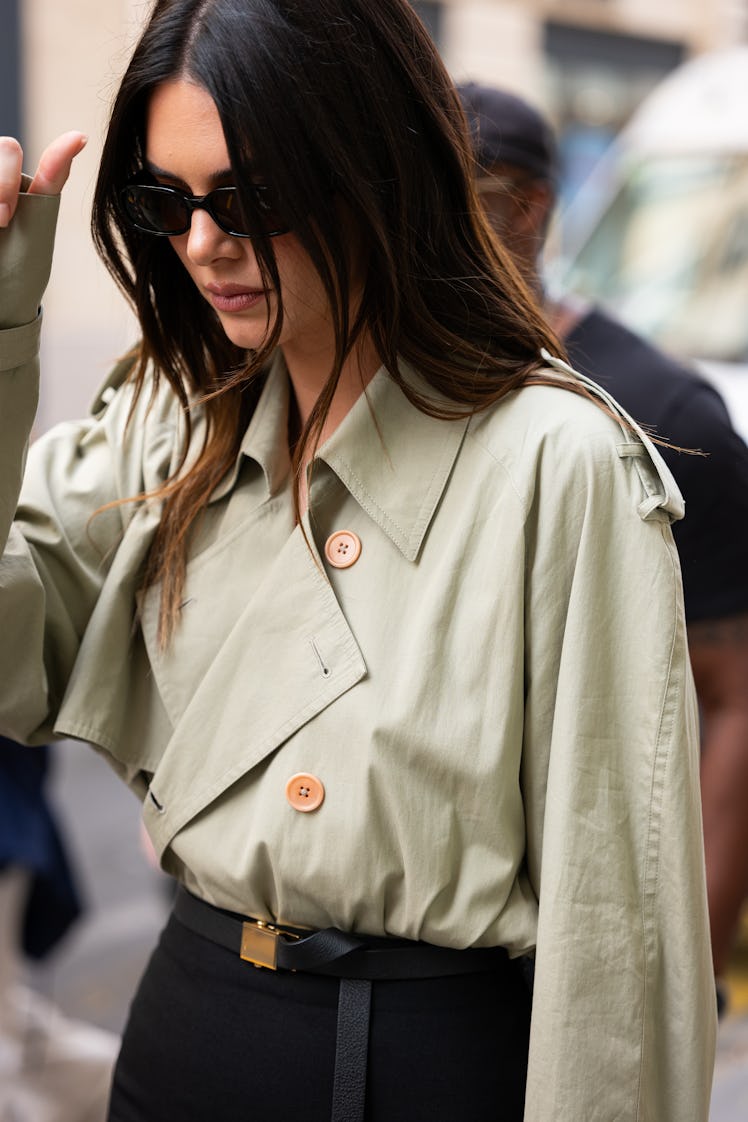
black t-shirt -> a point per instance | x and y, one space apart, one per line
681 407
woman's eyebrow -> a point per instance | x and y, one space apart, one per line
154 169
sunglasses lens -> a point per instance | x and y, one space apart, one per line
263 218
226 208
156 209
267 211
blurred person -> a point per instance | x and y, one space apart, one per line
518 174
348 578
52 1068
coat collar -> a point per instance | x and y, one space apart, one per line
266 438
392 458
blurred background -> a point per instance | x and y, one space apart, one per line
588 64
598 69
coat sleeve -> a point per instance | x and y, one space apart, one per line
25 262
54 555
623 1024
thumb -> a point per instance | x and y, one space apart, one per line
55 163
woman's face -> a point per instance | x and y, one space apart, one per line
185 148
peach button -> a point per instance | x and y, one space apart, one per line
305 792
343 549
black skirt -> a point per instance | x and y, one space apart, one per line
211 1038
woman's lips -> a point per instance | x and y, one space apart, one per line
233 297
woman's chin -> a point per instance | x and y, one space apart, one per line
249 337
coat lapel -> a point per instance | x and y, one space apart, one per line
289 654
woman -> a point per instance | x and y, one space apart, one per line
376 610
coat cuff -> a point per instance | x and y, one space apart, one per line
19 345
26 258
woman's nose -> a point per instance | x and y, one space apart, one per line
206 241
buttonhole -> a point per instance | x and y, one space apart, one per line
326 671
189 600
159 806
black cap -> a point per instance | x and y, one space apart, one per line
506 130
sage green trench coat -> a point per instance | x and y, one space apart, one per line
495 698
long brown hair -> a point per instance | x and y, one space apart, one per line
336 101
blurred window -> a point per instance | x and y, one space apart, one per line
10 75
670 254
431 14
596 80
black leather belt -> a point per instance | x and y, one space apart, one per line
355 960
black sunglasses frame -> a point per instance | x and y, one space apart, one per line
193 203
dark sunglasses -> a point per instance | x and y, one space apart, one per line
167 211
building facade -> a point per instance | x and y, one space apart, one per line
587 63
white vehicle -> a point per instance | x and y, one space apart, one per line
660 231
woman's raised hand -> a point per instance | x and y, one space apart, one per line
51 175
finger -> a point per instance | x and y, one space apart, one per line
11 159
55 162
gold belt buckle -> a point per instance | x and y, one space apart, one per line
260 943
